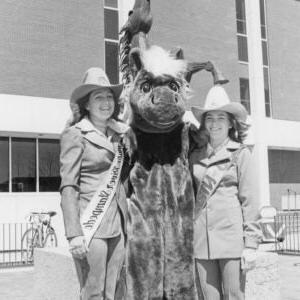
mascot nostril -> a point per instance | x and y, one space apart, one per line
176 99
152 100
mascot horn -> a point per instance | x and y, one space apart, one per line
159 257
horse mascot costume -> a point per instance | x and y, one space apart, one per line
159 257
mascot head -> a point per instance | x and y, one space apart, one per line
159 92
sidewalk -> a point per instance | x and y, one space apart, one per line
17 284
289 267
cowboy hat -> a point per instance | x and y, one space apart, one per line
217 99
94 79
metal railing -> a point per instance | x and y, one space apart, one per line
11 253
287 232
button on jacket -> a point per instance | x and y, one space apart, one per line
86 156
228 222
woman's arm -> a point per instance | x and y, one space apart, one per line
70 164
248 199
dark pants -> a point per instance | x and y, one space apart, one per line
98 273
218 279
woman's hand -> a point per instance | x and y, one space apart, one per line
78 247
248 259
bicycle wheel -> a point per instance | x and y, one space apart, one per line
28 242
50 240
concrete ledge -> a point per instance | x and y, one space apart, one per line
263 282
54 275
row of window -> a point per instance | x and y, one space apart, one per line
111 39
29 165
243 53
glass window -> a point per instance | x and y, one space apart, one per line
241 26
262 12
242 48
263 19
284 166
265 53
111 24
4 164
112 61
23 161
241 16
267 92
111 3
245 93
49 179
240 9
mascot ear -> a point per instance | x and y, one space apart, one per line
135 60
177 53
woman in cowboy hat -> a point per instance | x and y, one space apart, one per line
226 211
88 149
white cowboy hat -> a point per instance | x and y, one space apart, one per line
217 99
94 79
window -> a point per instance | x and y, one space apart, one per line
241 30
111 3
265 57
111 37
240 16
112 70
242 48
245 93
23 158
4 169
29 165
284 166
267 91
49 179
265 53
111 24
262 20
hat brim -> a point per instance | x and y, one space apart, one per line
84 89
235 108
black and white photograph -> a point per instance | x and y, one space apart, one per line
149 150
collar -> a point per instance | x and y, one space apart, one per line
95 136
223 153
86 125
212 151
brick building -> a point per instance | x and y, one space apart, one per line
47 45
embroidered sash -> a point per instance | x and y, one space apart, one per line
212 179
96 209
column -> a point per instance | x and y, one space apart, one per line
257 96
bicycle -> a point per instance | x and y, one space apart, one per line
41 234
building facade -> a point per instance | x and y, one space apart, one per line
46 47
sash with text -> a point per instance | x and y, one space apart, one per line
96 209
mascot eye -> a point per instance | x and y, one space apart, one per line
174 86
146 87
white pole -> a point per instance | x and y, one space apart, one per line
256 82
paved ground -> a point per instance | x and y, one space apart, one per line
17 284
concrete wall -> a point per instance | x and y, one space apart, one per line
46 46
284 51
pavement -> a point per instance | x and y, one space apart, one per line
18 283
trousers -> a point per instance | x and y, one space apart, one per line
218 279
99 271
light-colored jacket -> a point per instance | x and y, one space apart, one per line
86 156
228 222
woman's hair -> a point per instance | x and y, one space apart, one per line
82 111
237 132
